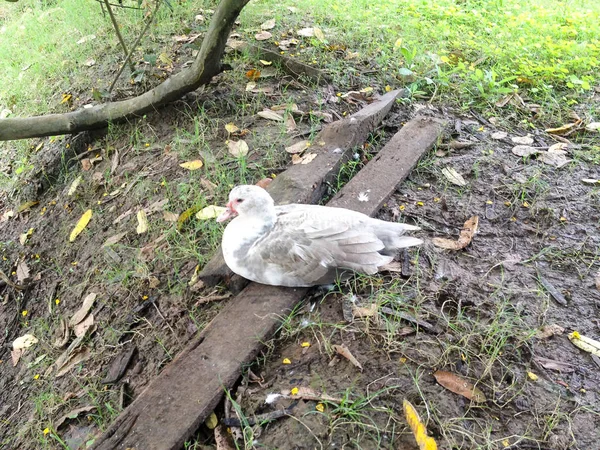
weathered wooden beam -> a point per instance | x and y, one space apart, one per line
174 405
306 183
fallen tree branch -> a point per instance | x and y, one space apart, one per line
206 65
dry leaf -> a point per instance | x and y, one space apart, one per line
221 438
554 365
210 212
265 63
254 75
231 128
361 311
23 237
88 302
142 226
345 352
418 427
263 36
549 330
76 357
306 32
522 140
298 147
307 393
184 216
62 334
264 183
565 129
16 356
585 343
271 115
114 239
22 272
170 217
290 123
459 386
192 165
524 150
268 25
7 215
74 185
25 341
554 158
250 86
562 146
81 224
594 126
72 415
81 328
466 236
86 165
498 135
238 148
453 176
307 158
26 206
319 34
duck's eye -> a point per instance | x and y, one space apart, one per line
240 200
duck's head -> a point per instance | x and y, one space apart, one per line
248 201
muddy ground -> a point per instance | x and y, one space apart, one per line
482 306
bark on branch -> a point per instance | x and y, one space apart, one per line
206 65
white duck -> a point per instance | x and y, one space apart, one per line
304 245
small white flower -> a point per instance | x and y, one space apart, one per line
363 197
271 398
356 156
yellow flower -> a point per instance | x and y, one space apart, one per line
320 407
145 297
46 431
532 376
24 313
305 345
294 391
57 301
489 202
420 204
36 376
402 208
286 361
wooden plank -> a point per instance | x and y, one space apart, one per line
173 406
382 175
306 183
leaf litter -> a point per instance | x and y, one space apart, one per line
466 236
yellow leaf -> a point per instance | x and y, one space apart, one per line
25 206
66 98
211 421
418 428
231 128
265 63
585 343
142 222
286 361
319 34
210 212
238 148
74 185
532 376
320 407
305 345
398 43
81 224
192 165
184 216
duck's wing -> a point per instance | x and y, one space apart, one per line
310 243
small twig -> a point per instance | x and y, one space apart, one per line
118 6
135 44
113 19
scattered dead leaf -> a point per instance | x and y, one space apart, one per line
522 140
453 176
307 393
25 341
81 224
74 185
7 215
192 165
585 343
74 358
565 130
466 236
88 303
268 25
524 150
594 126
265 182
22 272
298 147
210 212
556 158
270 115
319 34
222 439
306 32
362 311
23 207
15 356
114 239
551 364
290 123
86 165
23 237
231 128
81 328
142 226
263 36
305 159
170 216
459 385
238 148
73 415
253 74
345 352
498 135
63 333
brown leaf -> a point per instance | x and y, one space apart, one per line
306 393
16 356
238 148
268 25
290 123
554 158
522 140
551 364
72 415
88 302
453 176
62 334
86 164
221 438
524 150
270 115
22 272
265 182
170 216
361 311
465 238
305 159
565 130
263 36
114 239
298 147
345 352
81 328
549 330
74 358
459 386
